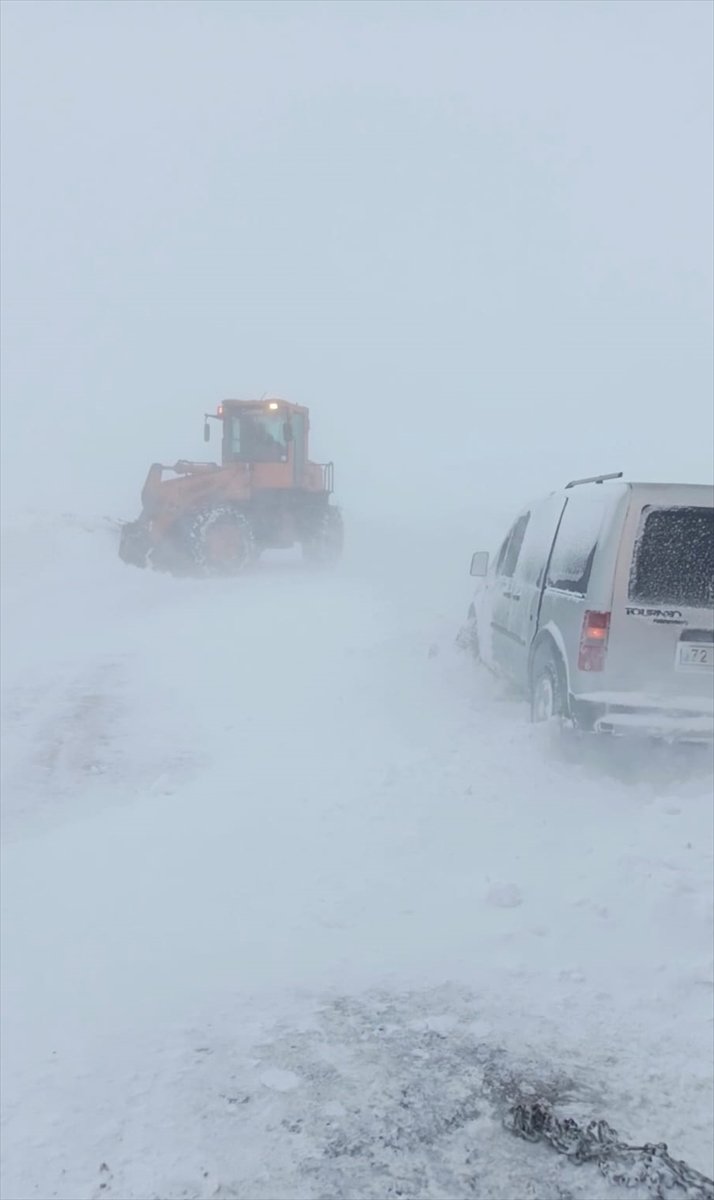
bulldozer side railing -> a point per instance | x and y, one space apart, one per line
328 476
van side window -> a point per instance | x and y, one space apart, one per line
575 545
539 539
508 565
502 552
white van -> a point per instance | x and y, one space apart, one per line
599 605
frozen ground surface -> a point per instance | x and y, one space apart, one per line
285 880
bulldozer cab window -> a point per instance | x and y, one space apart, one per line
258 437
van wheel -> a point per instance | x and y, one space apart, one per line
548 702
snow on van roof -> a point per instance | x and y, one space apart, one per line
614 484
673 486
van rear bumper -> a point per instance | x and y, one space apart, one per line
623 714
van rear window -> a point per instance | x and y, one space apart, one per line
673 561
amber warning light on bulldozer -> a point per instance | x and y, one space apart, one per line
273 406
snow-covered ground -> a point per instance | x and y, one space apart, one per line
285 880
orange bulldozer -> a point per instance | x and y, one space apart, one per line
206 519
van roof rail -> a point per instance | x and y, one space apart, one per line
594 479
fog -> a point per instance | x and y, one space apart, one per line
475 239
298 898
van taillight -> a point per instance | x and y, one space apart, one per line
593 641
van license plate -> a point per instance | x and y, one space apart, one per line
695 655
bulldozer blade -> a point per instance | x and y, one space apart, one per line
134 544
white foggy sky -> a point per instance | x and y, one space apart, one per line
475 238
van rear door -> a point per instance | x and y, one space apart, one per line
662 629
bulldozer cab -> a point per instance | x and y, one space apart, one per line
259 433
256 437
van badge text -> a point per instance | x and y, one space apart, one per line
661 614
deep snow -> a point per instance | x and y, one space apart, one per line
282 872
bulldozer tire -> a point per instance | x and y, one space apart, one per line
323 546
221 541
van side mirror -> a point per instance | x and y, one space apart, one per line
206 432
479 564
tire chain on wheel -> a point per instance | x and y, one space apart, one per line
203 522
598 1143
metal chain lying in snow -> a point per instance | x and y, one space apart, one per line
597 1142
